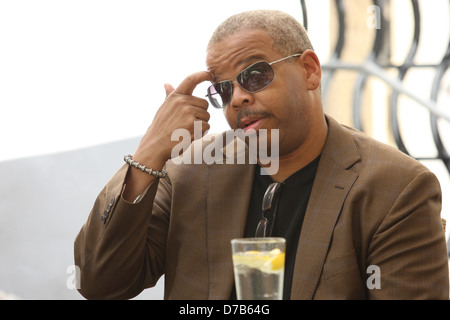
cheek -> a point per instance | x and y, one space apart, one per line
230 116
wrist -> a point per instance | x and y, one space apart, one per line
138 180
136 164
151 156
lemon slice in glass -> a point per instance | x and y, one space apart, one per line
271 261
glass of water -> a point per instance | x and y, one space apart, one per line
259 268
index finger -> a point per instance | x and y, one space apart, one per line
188 85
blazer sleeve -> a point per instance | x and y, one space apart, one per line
409 249
120 249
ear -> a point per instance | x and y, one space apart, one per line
312 70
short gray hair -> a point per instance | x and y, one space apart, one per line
288 35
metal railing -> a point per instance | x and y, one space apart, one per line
375 66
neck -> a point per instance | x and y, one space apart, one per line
300 157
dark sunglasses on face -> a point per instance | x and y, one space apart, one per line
252 79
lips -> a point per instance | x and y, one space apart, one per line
248 123
248 118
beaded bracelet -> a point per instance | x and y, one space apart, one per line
129 159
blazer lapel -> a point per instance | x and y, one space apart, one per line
229 190
331 185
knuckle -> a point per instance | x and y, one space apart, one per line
190 78
204 103
182 99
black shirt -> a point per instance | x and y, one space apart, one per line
292 202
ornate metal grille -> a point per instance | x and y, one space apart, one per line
378 65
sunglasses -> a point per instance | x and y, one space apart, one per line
270 201
253 79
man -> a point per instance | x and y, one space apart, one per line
362 220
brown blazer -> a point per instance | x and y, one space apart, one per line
370 205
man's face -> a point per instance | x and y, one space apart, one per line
281 105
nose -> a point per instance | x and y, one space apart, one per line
240 97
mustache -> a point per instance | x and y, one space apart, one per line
244 112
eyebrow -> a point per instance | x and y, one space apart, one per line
248 61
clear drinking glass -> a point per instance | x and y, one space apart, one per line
259 268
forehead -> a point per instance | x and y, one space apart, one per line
236 51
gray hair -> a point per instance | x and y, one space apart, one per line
288 35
